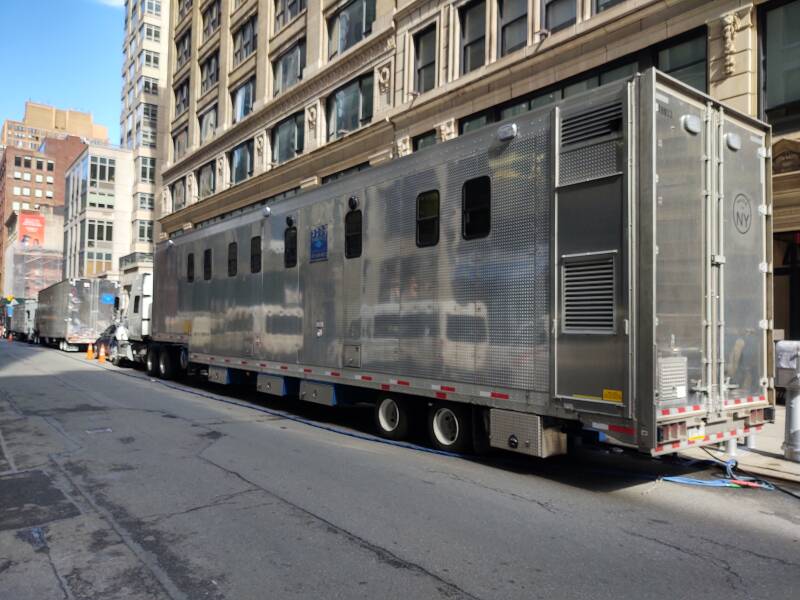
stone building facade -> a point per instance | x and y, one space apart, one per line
41 121
272 96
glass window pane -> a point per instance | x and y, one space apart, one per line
515 35
515 109
580 86
782 55
559 13
618 73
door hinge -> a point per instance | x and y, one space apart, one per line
717 259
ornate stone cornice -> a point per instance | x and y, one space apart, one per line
333 75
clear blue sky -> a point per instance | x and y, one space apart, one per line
67 53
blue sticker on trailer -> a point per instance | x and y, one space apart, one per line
106 298
319 243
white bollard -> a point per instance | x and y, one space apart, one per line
791 440
731 447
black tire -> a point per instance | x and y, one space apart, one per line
166 363
392 418
450 426
151 360
113 355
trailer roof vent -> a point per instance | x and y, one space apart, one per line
598 122
587 291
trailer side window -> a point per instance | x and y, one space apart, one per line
353 228
207 264
190 268
255 254
428 219
233 256
136 305
290 247
476 211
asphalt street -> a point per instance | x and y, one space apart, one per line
116 486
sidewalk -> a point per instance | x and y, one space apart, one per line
766 458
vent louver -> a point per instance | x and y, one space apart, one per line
587 289
599 122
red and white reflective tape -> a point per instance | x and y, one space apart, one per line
680 410
399 382
711 438
744 401
614 428
443 388
494 395
333 373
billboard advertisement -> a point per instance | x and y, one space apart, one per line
31 229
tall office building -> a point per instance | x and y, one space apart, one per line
271 96
143 122
41 121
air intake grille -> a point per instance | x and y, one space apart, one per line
587 289
598 122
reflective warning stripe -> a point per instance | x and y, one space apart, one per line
711 438
614 428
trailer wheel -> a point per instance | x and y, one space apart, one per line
151 361
166 364
392 418
450 427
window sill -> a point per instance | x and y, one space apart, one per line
288 30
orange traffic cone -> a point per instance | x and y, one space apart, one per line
102 357
89 352
10 338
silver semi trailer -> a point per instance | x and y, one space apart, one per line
73 312
23 320
600 264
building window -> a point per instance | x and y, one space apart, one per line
559 14
190 267
182 97
206 181
428 219
350 107
102 170
473 36
147 201
146 138
290 247
601 5
255 254
27 162
184 6
425 60
233 259
39 178
345 172
17 190
99 231
48 194
353 233
26 176
17 161
180 143
148 58
242 162
513 23
211 20
351 24
148 85
178 194
207 264
208 124
147 114
209 73
476 202
39 164
424 140
147 169
51 166
244 41
288 68
286 10
781 71
183 49
288 138
686 61
152 7
49 179
242 98
150 32
144 231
